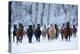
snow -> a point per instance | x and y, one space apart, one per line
44 45
19 14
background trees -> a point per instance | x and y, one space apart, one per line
43 13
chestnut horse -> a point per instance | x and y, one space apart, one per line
19 33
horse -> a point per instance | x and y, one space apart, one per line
19 33
74 31
66 32
14 31
62 31
29 33
38 33
48 33
57 31
51 32
44 31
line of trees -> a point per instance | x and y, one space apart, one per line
18 12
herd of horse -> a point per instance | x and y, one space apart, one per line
51 32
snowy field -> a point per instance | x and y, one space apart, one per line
43 13
44 45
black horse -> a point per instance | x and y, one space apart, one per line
67 31
74 31
38 33
57 31
14 31
30 33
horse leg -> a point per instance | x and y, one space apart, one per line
36 38
69 36
62 36
39 38
56 35
48 36
74 34
17 39
30 39
66 37
21 39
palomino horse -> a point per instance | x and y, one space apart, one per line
20 32
44 31
51 32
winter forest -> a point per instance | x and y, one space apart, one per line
56 23
43 13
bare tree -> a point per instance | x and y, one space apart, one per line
28 9
42 14
36 15
31 13
48 14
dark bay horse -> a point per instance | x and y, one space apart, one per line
66 32
62 31
20 32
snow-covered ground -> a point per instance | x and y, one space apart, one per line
19 14
44 45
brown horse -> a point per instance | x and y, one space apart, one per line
62 31
66 32
19 33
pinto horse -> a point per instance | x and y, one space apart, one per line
19 33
